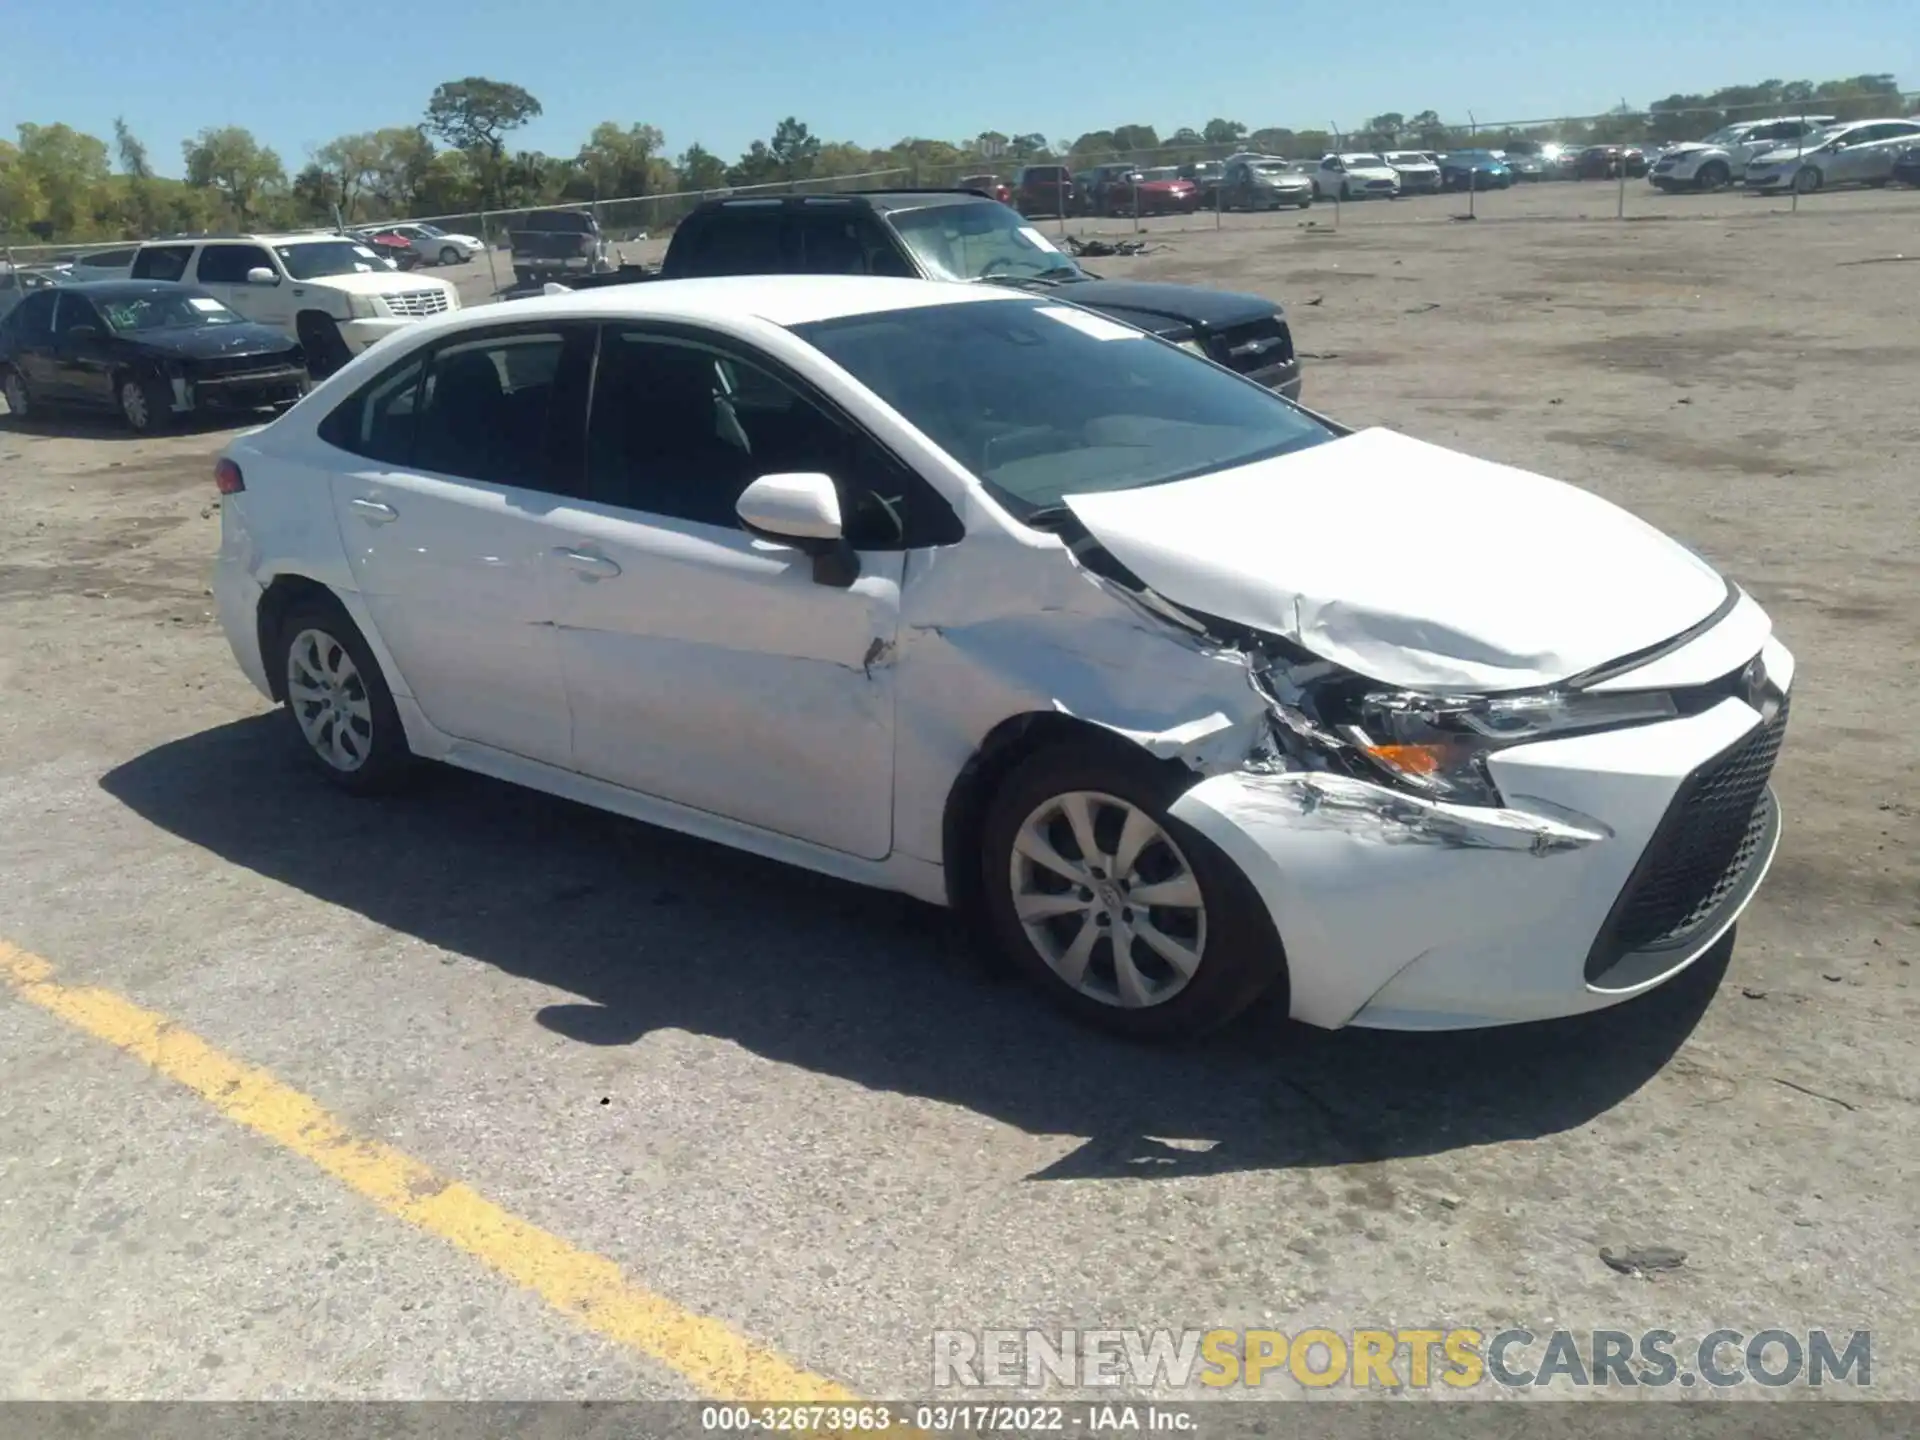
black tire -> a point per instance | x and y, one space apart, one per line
1307 202
145 402
449 255
22 408
385 759
1713 175
1240 955
1808 179
320 338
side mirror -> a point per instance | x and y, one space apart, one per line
802 510
261 275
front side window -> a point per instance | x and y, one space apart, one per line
680 429
73 313
32 320
980 241
229 264
1042 400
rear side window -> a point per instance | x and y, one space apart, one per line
486 408
739 242
33 318
378 421
161 262
229 264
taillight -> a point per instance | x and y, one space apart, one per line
227 477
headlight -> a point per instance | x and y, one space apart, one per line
365 307
1439 744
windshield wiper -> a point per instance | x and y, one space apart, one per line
1057 275
1049 517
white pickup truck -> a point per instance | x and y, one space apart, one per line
329 292
1721 158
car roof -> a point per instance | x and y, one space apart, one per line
785 300
108 289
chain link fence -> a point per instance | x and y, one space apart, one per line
1615 157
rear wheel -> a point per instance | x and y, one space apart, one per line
338 701
20 402
1122 914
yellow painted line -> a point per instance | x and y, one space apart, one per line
718 1361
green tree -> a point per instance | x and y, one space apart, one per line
616 161
794 149
66 168
477 115
350 164
227 159
1223 132
1385 130
1186 135
1030 146
700 169
20 200
403 159
1135 137
1274 140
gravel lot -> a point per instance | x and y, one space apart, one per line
800 1107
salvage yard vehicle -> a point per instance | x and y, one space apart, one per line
1860 153
147 349
1045 190
431 244
1609 162
1721 158
1906 166
1264 183
1356 176
329 292
557 244
970 594
955 235
1473 170
1418 175
1165 191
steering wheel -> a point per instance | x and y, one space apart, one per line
1007 260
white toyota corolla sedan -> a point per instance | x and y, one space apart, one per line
1186 692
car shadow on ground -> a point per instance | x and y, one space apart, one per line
655 930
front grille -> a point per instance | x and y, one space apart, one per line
239 366
1702 849
1257 345
417 302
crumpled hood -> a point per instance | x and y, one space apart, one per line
211 342
1411 564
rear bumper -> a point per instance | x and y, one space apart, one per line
1403 914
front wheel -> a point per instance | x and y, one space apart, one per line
1122 914
1712 176
338 701
145 404
320 339
449 256
1807 179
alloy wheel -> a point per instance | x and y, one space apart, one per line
1107 899
133 404
329 699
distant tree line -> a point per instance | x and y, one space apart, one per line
59 184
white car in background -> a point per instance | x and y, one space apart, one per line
1418 173
1721 158
1354 176
330 292
1860 153
989 599
433 245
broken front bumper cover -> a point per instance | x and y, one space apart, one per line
1409 914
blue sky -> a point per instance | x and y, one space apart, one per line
724 71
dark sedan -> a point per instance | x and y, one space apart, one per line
1605 162
149 349
1475 170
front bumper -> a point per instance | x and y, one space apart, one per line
1398 913
361 334
247 390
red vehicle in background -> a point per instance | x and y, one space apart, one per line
397 248
989 185
1045 190
1165 191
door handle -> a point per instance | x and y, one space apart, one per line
590 566
374 512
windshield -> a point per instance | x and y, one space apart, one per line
164 310
1406 157
1042 400
1363 160
1273 167
433 230
1165 172
313 259
980 242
